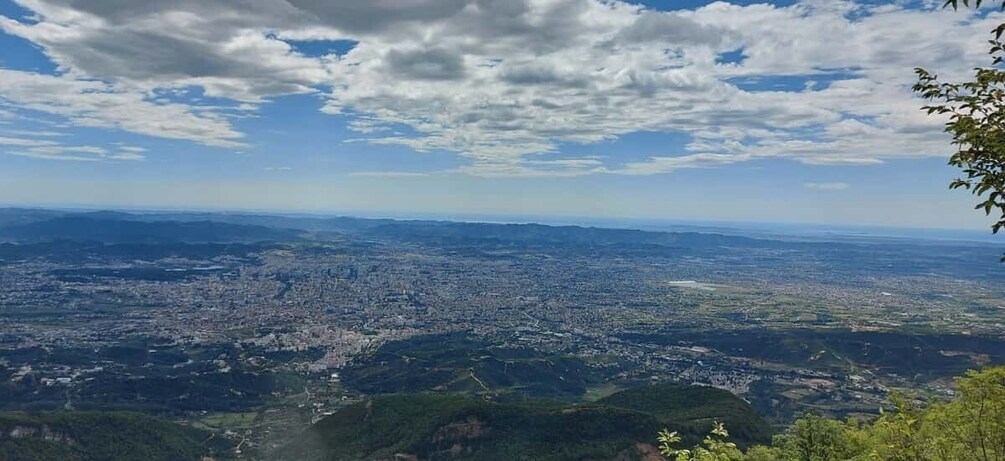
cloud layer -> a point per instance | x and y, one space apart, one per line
826 185
505 83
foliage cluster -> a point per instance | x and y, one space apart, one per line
969 427
976 112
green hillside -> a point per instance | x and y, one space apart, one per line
456 362
73 436
694 407
431 426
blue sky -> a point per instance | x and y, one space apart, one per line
747 111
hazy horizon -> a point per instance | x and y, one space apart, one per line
763 229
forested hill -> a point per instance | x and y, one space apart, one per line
428 426
73 436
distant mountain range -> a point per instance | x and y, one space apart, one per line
19 224
905 257
119 228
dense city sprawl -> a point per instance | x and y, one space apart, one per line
254 325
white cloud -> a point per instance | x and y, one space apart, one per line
127 156
224 48
25 142
501 82
42 133
97 104
826 185
655 165
386 174
58 152
606 71
278 168
51 150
